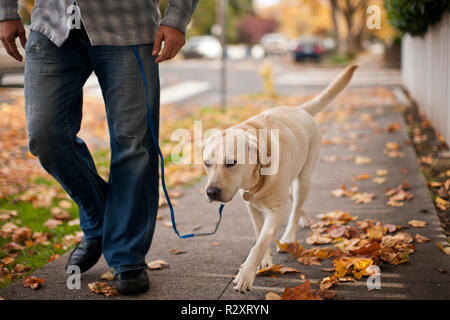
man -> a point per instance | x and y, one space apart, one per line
68 41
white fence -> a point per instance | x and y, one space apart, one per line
426 73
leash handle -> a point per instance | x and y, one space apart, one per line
163 182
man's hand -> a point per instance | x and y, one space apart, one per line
9 31
173 41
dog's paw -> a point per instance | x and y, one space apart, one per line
244 280
304 222
266 261
286 239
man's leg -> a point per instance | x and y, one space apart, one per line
132 202
54 78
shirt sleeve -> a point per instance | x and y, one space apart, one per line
178 13
8 10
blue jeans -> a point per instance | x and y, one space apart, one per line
121 213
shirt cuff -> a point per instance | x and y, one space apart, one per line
177 17
8 12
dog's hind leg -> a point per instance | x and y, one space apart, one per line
257 217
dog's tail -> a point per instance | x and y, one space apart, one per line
325 97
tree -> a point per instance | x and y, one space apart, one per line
334 18
415 16
349 8
252 28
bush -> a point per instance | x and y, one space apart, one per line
415 16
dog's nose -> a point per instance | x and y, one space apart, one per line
213 193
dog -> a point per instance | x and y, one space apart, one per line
268 180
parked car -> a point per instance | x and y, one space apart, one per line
309 48
202 47
275 44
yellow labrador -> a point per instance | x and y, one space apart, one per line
268 157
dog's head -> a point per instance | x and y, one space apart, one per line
231 162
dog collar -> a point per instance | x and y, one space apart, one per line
247 192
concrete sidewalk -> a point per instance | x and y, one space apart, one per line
206 270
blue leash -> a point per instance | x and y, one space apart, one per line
163 182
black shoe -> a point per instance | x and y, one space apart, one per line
132 282
85 255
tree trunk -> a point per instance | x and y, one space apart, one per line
362 31
334 12
348 20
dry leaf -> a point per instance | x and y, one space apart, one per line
177 251
445 250
309 261
53 257
277 269
421 239
362 160
100 287
417 223
52 223
272 296
328 282
363 197
157 264
66 204
382 172
317 238
107 276
379 180
32 282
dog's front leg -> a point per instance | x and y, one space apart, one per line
247 273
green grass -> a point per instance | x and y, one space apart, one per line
35 256
340 59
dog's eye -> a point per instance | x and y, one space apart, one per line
207 163
230 164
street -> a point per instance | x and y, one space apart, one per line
197 82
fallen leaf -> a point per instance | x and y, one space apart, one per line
32 282
363 197
379 180
421 239
277 269
177 251
53 257
157 264
19 267
417 223
272 296
317 238
328 282
364 176
441 203
107 276
336 230
65 204
382 172
347 279
52 223
309 261
100 287
362 160
445 250
7 260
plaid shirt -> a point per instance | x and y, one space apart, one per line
112 22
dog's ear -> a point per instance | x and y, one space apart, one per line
264 141
258 147
252 149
